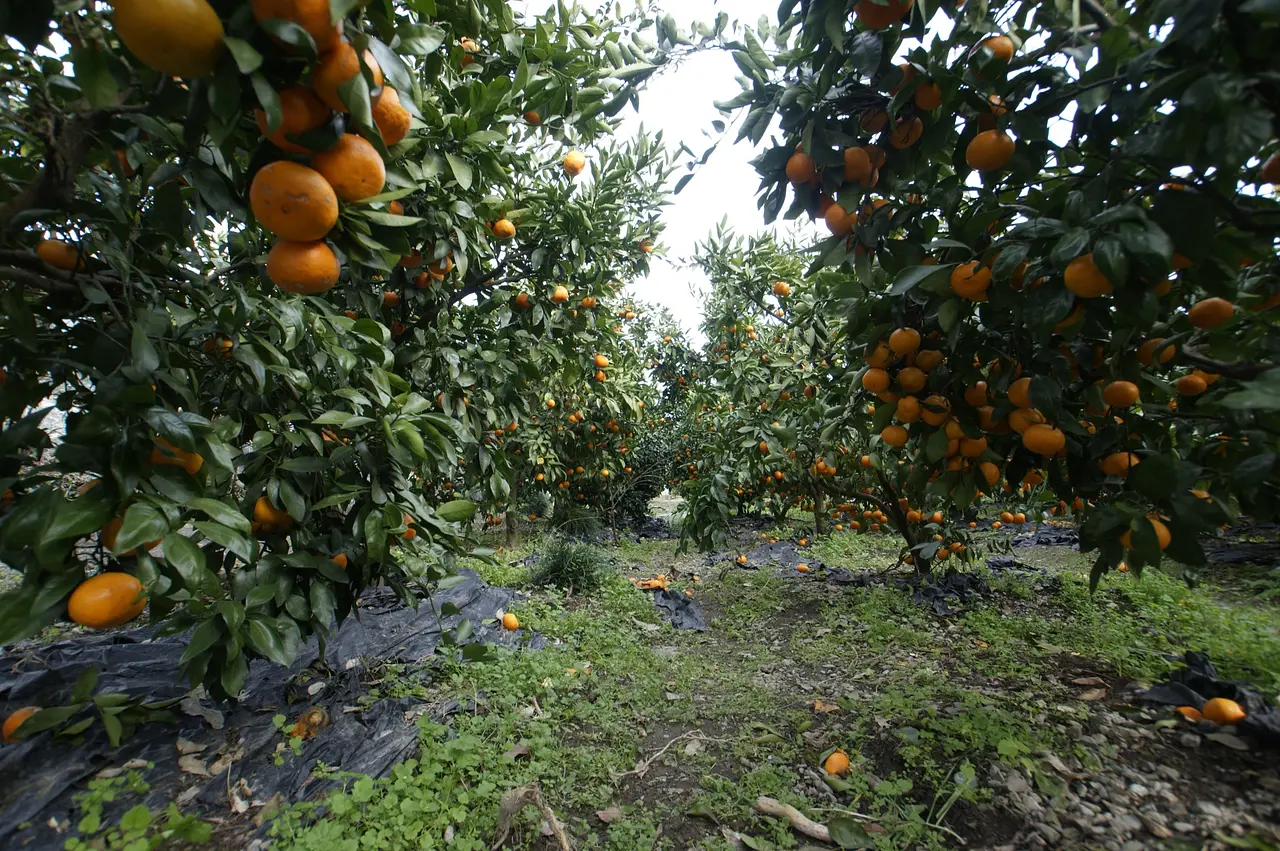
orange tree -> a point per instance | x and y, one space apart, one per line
1019 203
261 266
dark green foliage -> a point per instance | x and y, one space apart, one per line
573 565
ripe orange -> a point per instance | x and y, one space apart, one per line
990 472
410 532
873 121
601 361
894 435
839 221
1044 439
904 341
970 280
990 150
801 169
1085 279
302 111
876 17
1147 352
1190 385
560 294
1021 419
1162 534
504 229
180 38
976 396
906 132
857 166
311 15
1190 713
1120 394
1000 45
390 117
936 418
837 763
911 379
106 600
532 117
1211 312
875 380
353 168
340 560
305 268
1221 710
1020 392
337 67
972 447
1119 463
908 409
293 202
59 254
574 163
510 622
390 298
165 453
928 96
15 720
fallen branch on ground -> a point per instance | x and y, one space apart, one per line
516 800
643 766
799 821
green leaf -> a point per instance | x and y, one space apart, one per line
203 637
145 358
420 39
914 276
264 640
291 34
222 513
247 58
142 525
1250 472
189 561
232 540
1109 255
847 833
456 511
94 77
269 98
461 171
85 684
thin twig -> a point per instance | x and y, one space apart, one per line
644 765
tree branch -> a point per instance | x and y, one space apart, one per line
1239 370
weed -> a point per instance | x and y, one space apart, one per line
138 829
572 565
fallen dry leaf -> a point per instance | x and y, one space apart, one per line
521 749
694 747
192 765
610 815
823 706
1093 694
1089 681
186 746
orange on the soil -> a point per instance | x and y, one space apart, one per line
106 600
1147 351
59 255
305 268
390 116
876 17
1162 534
928 96
970 280
801 169
504 229
1120 394
1211 312
1190 713
165 453
574 163
293 202
990 150
1221 710
510 622
180 38
1085 279
802 568
302 111
904 341
837 763
15 720
906 132
1000 45
1191 385
875 380
1119 463
337 67
1044 439
311 15
353 168
894 435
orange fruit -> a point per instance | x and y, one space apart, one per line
970 280
510 622
409 533
311 15
894 435
1211 312
1020 392
106 600
802 568
504 229
1190 713
1221 710
305 268
839 221
1000 45
574 163
906 132
972 447
908 409
1044 439
976 396
1190 385
990 472
873 121
904 341
337 67
837 763
990 150
928 96
1120 394
1021 419
877 17
1085 279
532 117
560 294
1162 534
293 202
927 359
1147 352
857 166
353 168
340 560
60 255
390 298
390 117
180 38
875 380
801 169
911 379
15 720
1119 463
302 111
936 418
165 453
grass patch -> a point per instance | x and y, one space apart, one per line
574 566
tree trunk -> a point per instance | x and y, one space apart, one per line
820 525
513 528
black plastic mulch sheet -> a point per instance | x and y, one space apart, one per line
1251 543
944 592
1198 682
40 776
1048 536
682 612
